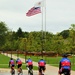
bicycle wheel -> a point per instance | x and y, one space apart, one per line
30 72
41 72
21 72
13 72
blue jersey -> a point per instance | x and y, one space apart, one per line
41 63
11 62
29 61
18 61
65 63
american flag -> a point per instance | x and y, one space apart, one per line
33 11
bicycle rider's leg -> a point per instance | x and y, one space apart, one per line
31 67
19 67
39 68
68 72
12 69
59 73
28 69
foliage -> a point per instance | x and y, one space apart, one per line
35 41
3 31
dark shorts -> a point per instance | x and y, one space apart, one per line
41 68
19 65
30 66
67 71
12 66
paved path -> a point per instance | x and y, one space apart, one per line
50 70
7 72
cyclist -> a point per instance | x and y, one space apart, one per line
19 64
64 65
41 66
11 64
29 64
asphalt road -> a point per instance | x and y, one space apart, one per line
8 73
26 73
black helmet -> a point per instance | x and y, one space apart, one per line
65 55
11 58
17 58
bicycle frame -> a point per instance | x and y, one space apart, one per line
30 71
41 73
20 72
64 73
12 71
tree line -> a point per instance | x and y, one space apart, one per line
36 41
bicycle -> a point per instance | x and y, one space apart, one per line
13 71
30 71
65 73
41 72
20 72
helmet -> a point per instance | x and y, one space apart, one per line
17 58
11 58
28 58
65 55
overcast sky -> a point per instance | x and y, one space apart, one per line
60 14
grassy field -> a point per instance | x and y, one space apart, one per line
54 61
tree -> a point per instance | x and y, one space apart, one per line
19 33
72 34
3 31
65 34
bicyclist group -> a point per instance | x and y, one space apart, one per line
64 65
41 66
12 65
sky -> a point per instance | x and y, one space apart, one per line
60 14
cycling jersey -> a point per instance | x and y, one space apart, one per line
29 62
11 62
18 61
41 63
65 63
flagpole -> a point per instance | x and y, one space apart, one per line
43 25
42 34
45 20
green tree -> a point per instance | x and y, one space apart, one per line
65 34
3 31
72 35
19 33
